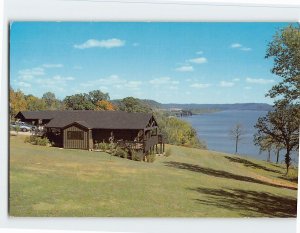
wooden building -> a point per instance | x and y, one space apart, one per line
82 129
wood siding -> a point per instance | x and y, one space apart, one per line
101 135
75 144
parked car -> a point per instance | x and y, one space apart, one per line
24 127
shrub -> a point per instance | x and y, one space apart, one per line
137 155
120 153
36 140
101 146
151 158
168 152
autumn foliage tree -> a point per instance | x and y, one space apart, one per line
105 105
17 102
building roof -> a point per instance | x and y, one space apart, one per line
90 119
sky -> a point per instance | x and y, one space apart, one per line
166 62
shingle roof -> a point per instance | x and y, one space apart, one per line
92 119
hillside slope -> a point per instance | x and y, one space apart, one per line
189 183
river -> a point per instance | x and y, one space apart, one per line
214 129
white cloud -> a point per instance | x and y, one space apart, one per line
185 69
236 45
166 81
236 80
226 84
259 80
200 85
248 88
52 65
199 52
246 49
37 71
113 81
23 84
110 43
198 60
240 47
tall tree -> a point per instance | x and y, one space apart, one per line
79 102
285 51
131 104
236 134
265 143
97 95
17 102
52 103
282 125
34 103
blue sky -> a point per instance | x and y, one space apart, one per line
166 62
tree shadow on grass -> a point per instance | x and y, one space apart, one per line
221 174
249 203
248 163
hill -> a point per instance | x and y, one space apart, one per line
48 181
222 107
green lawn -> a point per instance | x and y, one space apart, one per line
48 181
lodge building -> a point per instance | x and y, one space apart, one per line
82 129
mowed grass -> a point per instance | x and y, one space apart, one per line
48 181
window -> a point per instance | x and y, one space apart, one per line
75 135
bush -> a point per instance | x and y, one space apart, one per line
168 153
101 146
36 140
151 158
137 155
120 153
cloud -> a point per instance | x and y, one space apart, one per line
259 80
226 84
240 47
110 43
200 85
236 45
246 49
113 81
199 52
185 68
248 88
52 65
236 80
164 80
199 60
55 81
33 71
23 84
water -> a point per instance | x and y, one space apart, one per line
214 129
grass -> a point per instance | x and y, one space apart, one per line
48 181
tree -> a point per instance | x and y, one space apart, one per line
34 103
236 134
265 144
130 104
285 50
282 125
51 102
97 95
105 105
17 102
79 102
